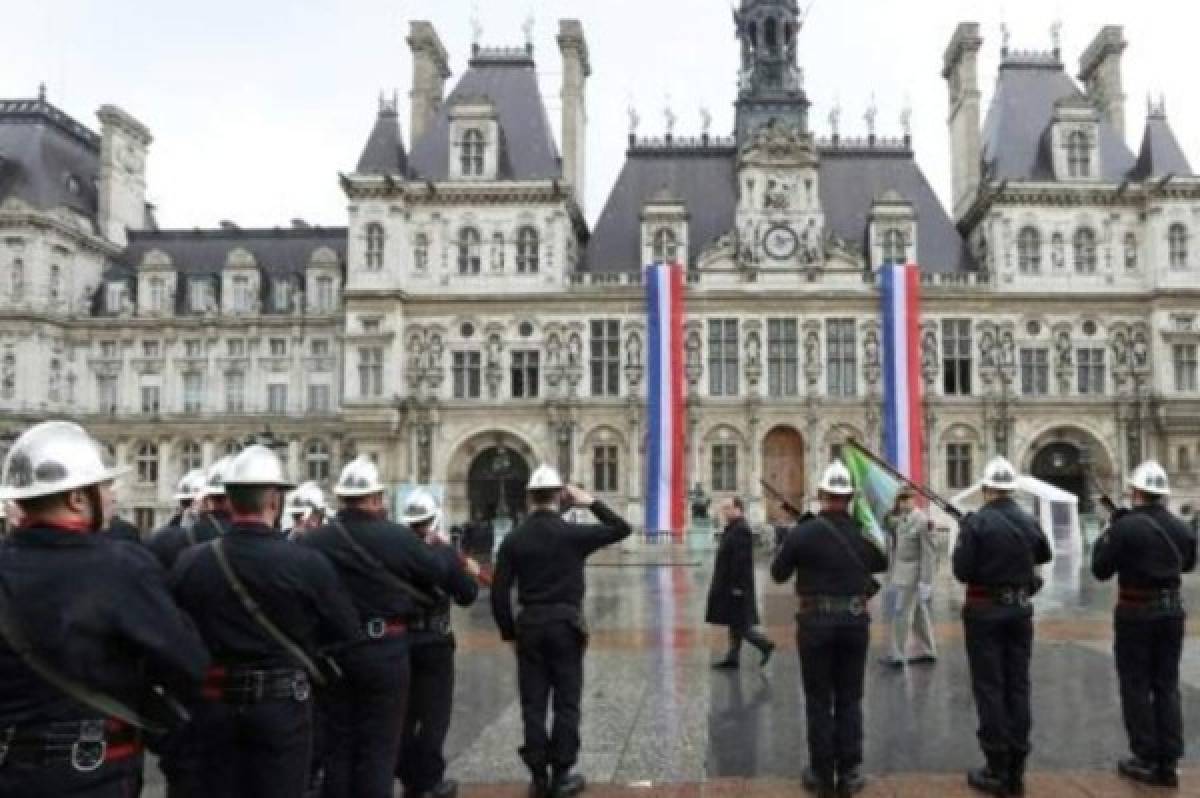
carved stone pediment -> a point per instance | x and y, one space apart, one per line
779 145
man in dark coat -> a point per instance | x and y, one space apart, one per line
731 597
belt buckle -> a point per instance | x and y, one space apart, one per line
88 752
857 606
376 628
301 690
1008 597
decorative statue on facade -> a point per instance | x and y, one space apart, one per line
8 381
700 502
1062 345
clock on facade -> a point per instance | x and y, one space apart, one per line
781 242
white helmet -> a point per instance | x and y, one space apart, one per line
360 477
309 496
257 465
191 486
420 508
1000 475
1150 477
214 481
836 480
545 477
54 457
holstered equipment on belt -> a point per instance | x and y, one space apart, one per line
243 685
385 629
1150 600
85 745
433 623
810 604
538 614
998 596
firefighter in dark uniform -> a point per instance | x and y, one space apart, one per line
187 493
1148 548
266 608
422 763
95 613
390 575
833 562
544 558
211 521
996 556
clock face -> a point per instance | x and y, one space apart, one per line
781 242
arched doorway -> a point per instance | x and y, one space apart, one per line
1064 466
783 467
496 483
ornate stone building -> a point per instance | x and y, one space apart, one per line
468 322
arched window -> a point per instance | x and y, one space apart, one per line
1079 155
421 252
316 460
666 245
147 463
1131 252
374 247
472 153
191 457
528 251
1085 251
771 34
1177 246
894 248
1029 251
468 251
17 284
1184 459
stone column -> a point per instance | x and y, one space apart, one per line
294 464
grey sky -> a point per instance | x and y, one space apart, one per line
256 105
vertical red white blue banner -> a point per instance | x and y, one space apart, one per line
902 412
665 421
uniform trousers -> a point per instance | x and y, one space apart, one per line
999 648
259 750
550 669
1147 652
117 780
833 655
422 763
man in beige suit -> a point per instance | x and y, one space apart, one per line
913 557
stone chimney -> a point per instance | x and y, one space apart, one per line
124 145
1100 72
431 69
576 70
961 71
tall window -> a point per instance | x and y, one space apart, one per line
958 466
528 254
604 469
158 293
1029 251
17 284
316 461
114 299
420 252
499 248
1035 371
724 467
278 347
605 360
525 374
1131 252
1079 155
370 371
319 347
106 394
319 399
150 399
467 368
895 250
277 399
54 289
151 350
469 245
472 153
242 299
143 519
723 357
200 294
374 247
783 358
1177 247
147 463
193 392
191 457
666 245
325 302
1085 251
1089 364
230 448
235 392
956 357
1184 359
282 299
236 347
842 359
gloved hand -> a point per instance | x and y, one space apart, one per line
925 591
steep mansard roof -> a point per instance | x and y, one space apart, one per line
384 152
1160 154
47 159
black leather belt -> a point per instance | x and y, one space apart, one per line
1150 600
1003 596
433 624
829 605
255 685
84 745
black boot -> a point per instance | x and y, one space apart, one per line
539 783
1168 774
566 784
992 779
820 785
767 650
447 789
729 663
851 782
1140 770
1016 774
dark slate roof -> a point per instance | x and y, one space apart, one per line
384 153
509 80
1018 121
279 252
1161 154
49 159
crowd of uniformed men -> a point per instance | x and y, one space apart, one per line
265 646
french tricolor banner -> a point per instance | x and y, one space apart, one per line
902 415
666 426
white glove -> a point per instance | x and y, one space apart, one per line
925 592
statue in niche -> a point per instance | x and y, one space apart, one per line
1062 345
987 348
1141 351
8 381
1120 347
1057 252
812 348
436 350
498 253
414 353
633 350
553 352
929 353
695 360
777 197
574 351
54 381
753 351
1008 348
871 348
1131 255
493 351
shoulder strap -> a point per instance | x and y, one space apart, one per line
190 535
388 575
1016 535
1162 533
106 705
255 611
833 531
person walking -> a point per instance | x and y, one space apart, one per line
732 600
910 579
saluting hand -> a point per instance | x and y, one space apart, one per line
578 497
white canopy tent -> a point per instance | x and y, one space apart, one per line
1055 508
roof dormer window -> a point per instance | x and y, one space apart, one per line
666 245
374 247
1079 155
471 153
895 249
469 245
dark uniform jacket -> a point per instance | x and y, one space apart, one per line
296 588
169 541
120 529
458 586
821 564
98 611
1137 553
402 553
545 556
999 546
731 596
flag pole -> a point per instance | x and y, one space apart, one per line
921 489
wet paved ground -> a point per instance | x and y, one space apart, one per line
658 722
